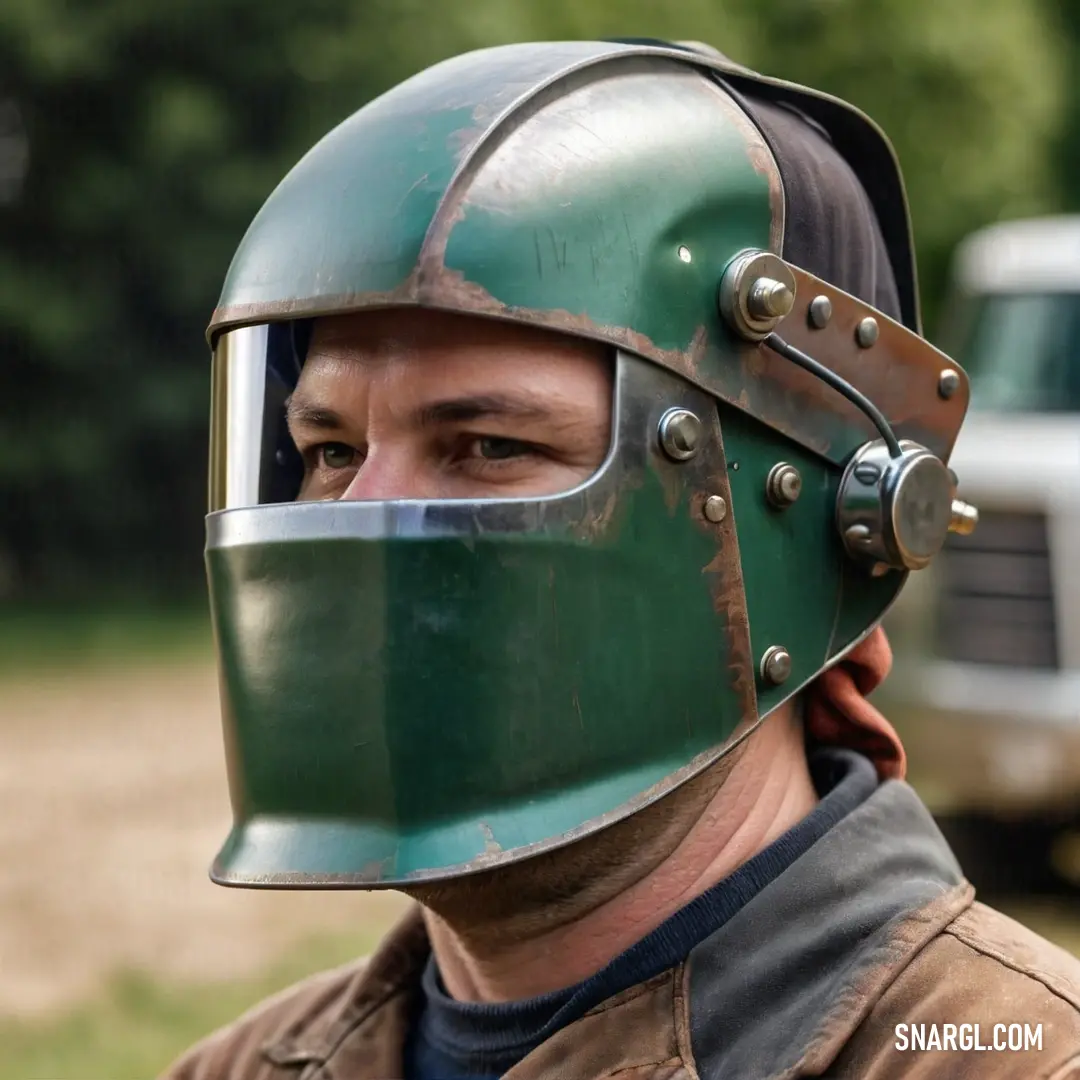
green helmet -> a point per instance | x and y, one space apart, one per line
414 690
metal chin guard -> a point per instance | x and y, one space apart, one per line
897 499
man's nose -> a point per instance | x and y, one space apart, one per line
389 473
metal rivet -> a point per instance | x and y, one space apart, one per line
866 333
948 383
783 484
684 253
715 509
776 665
680 434
858 536
820 312
769 299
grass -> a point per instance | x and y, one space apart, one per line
138 1026
40 638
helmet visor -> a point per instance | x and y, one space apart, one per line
253 459
418 688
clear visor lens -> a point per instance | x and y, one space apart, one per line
252 458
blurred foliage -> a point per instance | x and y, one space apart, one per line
1066 14
43 638
156 130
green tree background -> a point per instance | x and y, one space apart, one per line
154 132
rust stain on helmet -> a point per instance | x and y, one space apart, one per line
899 373
763 162
728 589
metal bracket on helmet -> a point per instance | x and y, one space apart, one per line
897 500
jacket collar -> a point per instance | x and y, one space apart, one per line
775 992
779 989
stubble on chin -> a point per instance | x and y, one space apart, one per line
516 902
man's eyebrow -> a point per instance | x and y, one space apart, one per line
474 407
300 411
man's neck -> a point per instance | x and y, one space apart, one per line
765 793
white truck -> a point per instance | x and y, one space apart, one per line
986 686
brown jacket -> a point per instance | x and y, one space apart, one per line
873 928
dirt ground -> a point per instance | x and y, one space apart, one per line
112 803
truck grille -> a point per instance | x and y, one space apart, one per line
997 600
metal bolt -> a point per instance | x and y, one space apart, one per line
783 484
866 472
866 333
757 290
820 312
964 518
858 536
776 665
715 509
769 299
684 253
948 383
680 434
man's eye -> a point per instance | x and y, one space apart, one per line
492 448
336 455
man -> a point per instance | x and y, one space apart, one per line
572 433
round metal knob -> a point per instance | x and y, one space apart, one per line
895 511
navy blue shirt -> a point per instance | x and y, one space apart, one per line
454 1040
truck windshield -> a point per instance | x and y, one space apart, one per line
1022 352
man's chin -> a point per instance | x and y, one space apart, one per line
543 890
556 887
